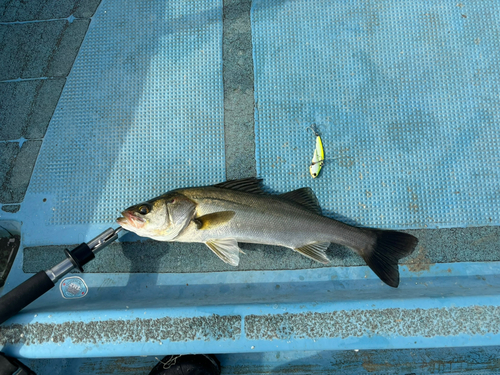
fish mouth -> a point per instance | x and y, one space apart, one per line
130 220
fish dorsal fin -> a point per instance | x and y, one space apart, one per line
226 249
315 251
248 185
213 220
305 197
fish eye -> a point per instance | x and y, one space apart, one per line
314 174
143 210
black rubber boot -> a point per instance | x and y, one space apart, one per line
199 364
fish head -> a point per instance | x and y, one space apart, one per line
161 218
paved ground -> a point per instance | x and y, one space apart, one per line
40 40
39 43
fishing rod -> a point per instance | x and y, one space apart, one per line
39 284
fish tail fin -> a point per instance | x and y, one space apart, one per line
383 254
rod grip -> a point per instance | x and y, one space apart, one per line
22 295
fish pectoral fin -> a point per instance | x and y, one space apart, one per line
226 249
315 251
213 220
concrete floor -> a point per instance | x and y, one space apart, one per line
39 43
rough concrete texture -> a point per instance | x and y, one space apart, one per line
21 10
466 360
342 324
16 166
435 246
453 321
27 107
206 328
33 50
12 208
41 49
238 90
162 257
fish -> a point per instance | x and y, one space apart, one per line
225 214
318 159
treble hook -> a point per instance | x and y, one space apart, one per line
314 129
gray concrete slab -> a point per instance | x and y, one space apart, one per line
435 246
12 208
27 107
31 51
16 166
21 10
41 49
238 90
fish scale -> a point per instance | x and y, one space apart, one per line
267 220
238 211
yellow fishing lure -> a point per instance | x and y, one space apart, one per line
319 155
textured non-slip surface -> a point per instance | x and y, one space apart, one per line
141 112
435 246
405 95
281 312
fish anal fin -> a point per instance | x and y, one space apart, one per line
315 251
226 249
305 197
213 220
248 185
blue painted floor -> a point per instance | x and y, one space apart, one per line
470 360
405 98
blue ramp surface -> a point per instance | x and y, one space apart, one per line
405 95
141 113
